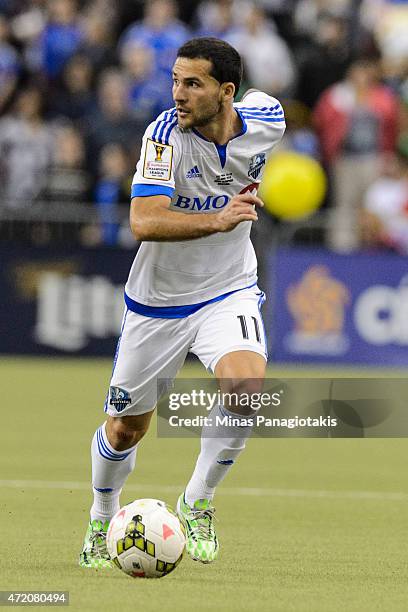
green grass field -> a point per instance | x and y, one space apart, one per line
304 524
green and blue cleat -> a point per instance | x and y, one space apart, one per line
201 539
94 553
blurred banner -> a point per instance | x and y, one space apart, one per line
61 301
330 308
321 307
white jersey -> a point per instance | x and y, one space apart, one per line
200 177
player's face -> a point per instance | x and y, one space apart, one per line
198 96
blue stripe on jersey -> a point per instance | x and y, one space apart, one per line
257 114
266 120
161 123
115 359
276 111
164 117
142 190
265 111
262 108
169 131
174 312
258 108
164 125
273 110
162 137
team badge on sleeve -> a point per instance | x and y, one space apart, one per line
256 163
158 161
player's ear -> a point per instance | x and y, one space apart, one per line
228 90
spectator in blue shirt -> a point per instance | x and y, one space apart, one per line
9 65
159 30
60 38
149 89
112 189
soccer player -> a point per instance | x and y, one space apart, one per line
193 284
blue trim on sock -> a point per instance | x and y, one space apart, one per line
104 450
105 456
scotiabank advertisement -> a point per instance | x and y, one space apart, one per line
332 308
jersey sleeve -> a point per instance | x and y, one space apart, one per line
260 101
155 169
262 109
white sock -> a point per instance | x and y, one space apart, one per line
110 468
220 447
105 504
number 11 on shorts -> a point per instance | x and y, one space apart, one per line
244 327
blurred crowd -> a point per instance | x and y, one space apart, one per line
81 79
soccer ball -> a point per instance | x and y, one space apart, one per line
145 539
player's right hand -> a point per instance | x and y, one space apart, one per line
240 208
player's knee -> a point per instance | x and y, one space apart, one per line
247 386
242 368
238 394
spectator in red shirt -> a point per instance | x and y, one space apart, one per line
356 122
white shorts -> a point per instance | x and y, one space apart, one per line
150 349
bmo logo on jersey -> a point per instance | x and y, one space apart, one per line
209 202
204 203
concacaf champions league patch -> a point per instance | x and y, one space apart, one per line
119 398
158 161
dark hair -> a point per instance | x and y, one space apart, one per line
226 61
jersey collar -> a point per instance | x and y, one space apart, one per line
222 149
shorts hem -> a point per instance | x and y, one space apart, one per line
254 349
131 411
